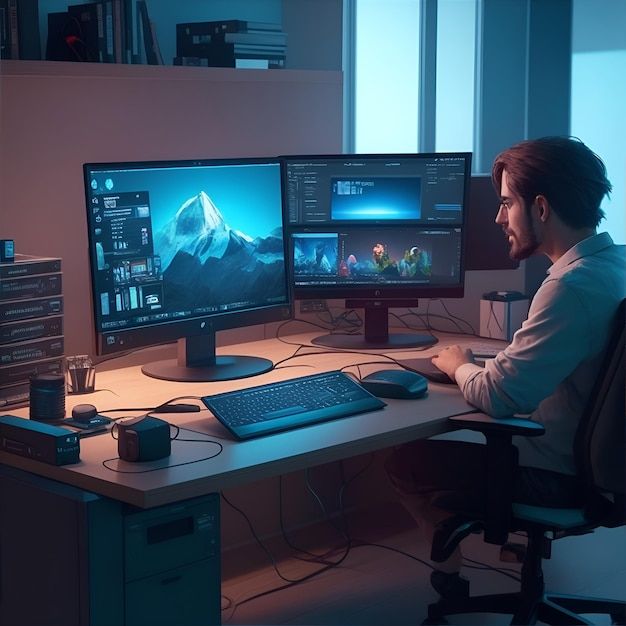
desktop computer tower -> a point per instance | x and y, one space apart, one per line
72 558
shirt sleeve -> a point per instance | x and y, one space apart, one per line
545 350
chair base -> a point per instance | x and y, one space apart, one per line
550 608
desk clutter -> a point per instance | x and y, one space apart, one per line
31 325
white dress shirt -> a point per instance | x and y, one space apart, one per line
549 368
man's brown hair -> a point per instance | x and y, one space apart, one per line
563 170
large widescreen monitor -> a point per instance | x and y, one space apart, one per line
182 249
379 231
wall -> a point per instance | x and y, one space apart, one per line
55 116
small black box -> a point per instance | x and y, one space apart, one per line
41 442
7 250
143 439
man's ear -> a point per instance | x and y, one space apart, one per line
543 208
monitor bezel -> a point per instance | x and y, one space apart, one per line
373 294
153 334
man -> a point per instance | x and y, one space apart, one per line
550 194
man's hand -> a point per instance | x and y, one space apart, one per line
449 359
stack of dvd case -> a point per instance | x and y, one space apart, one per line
231 43
31 325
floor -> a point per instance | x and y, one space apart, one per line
373 585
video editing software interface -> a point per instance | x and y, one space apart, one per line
173 241
376 220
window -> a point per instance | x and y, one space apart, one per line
598 95
386 75
456 39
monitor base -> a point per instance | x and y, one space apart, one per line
224 368
397 341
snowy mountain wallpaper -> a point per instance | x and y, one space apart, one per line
206 262
217 231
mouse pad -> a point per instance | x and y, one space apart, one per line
425 367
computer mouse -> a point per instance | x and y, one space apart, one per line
395 383
86 417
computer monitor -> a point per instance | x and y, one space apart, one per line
182 249
378 230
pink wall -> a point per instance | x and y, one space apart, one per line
56 116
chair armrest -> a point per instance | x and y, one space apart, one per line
504 425
501 460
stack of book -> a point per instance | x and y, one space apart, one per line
19 29
231 43
31 325
102 31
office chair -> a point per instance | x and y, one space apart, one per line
599 451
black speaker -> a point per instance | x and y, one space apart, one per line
143 439
47 397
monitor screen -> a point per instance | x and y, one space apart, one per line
182 249
380 231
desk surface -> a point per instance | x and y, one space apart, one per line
188 472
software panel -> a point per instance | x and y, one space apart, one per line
182 249
379 231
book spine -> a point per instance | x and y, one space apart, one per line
118 31
34 350
155 44
14 374
128 30
5 33
102 45
15 395
28 29
191 61
25 330
27 267
109 31
31 287
138 47
148 40
15 310
13 30
217 27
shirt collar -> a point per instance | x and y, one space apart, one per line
586 247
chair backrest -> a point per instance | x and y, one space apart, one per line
600 444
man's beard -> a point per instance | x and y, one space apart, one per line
524 243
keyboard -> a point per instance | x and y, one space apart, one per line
302 401
486 350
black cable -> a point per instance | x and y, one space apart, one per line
160 408
327 564
175 438
455 317
291 581
311 556
500 570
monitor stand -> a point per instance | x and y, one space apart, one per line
197 362
376 335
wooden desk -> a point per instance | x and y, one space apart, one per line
102 549
185 475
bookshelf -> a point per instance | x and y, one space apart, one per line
114 29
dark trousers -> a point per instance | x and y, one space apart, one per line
455 471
